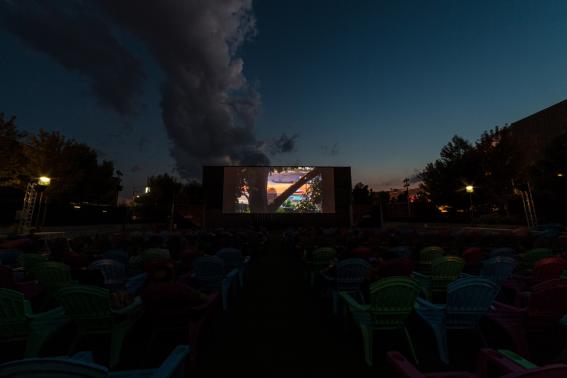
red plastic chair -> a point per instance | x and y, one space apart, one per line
546 306
489 360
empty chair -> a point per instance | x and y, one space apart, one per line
209 273
18 323
548 268
350 274
498 269
392 300
90 309
426 257
533 256
444 270
82 365
488 360
9 256
503 252
545 309
52 276
233 259
468 300
321 259
114 272
117 255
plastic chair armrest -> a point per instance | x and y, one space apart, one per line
352 302
84 356
516 358
135 305
402 366
424 304
174 361
493 358
57 312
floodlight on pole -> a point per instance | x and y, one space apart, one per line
44 181
469 189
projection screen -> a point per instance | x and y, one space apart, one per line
278 190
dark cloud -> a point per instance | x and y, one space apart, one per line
208 106
331 150
142 142
283 144
136 168
73 33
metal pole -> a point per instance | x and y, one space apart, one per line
532 203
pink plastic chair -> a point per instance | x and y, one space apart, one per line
489 360
546 307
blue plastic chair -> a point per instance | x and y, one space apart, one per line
468 300
503 252
114 272
498 269
82 365
9 256
350 274
116 255
233 259
209 273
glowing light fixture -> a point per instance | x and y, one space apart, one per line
560 174
147 190
44 181
469 189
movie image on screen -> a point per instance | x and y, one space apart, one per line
278 190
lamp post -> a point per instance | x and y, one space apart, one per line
407 185
470 191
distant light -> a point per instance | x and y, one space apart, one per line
560 174
105 211
147 190
44 181
76 207
137 196
470 189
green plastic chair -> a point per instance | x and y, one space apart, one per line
426 257
28 261
444 270
392 299
19 323
534 255
52 276
90 309
321 259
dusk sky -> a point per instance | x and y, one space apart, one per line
379 86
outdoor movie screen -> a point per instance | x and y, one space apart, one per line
278 190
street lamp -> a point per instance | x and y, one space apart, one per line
44 181
470 191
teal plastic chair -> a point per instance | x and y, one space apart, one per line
19 323
82 365
209 273
392 299
468 300
350 274
89 308
444 270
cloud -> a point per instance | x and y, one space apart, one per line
73 33
142 142
208 106
283 144
136 168
330 150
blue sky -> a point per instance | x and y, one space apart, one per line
387 83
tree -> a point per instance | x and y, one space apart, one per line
361 194
12 159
